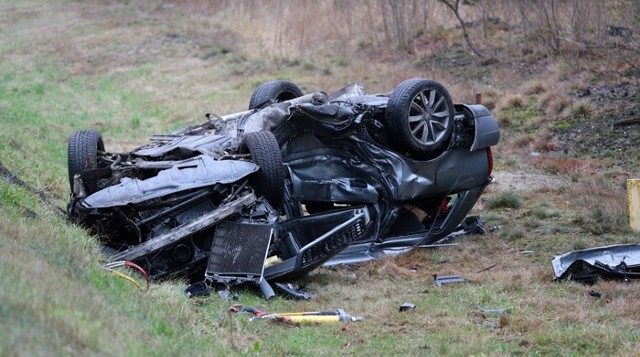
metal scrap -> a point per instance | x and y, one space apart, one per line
448 279
588 265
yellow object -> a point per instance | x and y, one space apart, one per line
633 186
126 277
273 260
318 319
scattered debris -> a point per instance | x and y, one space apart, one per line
311 317
470 225
442 280
199 289
595 294
406 306
238 308
289 291
619 31
487 268
225 294
609 262
499 311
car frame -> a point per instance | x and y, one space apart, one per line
295 182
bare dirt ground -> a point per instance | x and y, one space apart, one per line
522 181
615 131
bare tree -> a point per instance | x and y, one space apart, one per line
399 19
541 18
454 5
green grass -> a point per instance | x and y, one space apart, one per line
507 199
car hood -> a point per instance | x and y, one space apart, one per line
200 171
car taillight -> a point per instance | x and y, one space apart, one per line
490 159
444 206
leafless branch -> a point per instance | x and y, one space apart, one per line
453 5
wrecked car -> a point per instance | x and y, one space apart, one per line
294 182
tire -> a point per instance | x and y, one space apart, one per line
274 92
268 181
419 117
82 155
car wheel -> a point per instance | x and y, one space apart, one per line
273 92
82 155
268 181
419 116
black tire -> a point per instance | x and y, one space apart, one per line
273 92
268 181
419 116
82 155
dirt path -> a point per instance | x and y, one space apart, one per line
524 181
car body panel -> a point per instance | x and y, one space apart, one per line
200 171
348 188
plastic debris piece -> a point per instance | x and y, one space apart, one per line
499 311
620 262
197 289
595 294
442 280
289 291
406 306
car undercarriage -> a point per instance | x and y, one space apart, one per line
294 182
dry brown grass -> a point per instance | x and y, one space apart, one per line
556 103
603 205
514 101
582 109
536 87
544 142
566 166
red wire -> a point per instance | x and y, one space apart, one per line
138 268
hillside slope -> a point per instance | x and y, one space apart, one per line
133 69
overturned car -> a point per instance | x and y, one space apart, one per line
295 182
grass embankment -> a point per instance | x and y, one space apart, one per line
54 295
131 70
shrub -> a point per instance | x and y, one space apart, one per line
514 102
507 199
